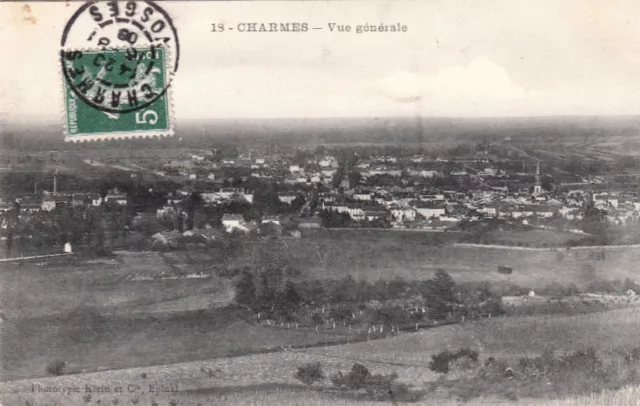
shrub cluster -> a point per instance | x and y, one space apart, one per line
310 373
464 358
579 372
56 367
378 386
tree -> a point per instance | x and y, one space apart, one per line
344 290
358 376
148 224
441 294
297 204
9 240
290 297
595 223
355 379
354 178
246 289
191 204
317 320
309 373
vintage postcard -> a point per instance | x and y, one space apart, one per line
320 203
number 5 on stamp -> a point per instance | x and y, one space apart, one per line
114 94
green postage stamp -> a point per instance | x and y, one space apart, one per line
116 93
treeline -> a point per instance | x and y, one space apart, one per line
271 292
90 227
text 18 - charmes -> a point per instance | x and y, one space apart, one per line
305 27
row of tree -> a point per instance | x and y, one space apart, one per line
270 291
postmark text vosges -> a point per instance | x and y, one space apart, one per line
122 31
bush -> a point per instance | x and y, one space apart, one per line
442 361
56 367
355 379
339 380
579 372
493 369
309 373
585 360
632 356
378 386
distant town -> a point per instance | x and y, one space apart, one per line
257 192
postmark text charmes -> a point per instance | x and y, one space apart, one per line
116 80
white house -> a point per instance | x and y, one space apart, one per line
48 204
363 196
271 219
403 214
231 222
429 212
287 197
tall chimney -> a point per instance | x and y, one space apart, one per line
55 183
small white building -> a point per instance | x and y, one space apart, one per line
232 221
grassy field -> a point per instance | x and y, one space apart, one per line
56 285
510 337
533 238
51 286
268 378
90 314
416 256
156 322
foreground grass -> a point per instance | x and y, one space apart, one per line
628 396
266 379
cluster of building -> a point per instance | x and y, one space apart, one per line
384 191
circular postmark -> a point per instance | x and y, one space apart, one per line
119 57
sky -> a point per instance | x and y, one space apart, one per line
460 58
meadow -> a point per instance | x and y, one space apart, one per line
508 337
89 313
268 378
157 324
373 255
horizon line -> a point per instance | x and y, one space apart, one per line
47 121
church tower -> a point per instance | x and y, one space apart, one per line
537 187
